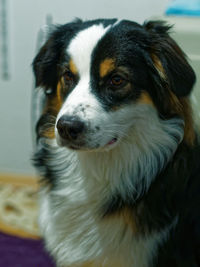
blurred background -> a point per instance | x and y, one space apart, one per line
22 25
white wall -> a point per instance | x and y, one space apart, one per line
25 19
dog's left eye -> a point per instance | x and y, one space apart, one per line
117 81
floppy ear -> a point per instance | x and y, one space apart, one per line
169 60
52 54
45 66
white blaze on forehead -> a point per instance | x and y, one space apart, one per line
81 47
80 50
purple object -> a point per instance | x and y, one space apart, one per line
21 252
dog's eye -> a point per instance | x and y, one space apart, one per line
117 80
68 76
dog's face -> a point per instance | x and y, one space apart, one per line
103 77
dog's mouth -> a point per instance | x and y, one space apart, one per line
84 147
113 141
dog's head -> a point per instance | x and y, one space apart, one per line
102 78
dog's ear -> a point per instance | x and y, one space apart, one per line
45 65
47 62
169 60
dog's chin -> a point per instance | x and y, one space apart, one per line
84 146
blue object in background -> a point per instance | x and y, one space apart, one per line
184 8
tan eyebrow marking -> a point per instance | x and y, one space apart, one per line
106 66
73 67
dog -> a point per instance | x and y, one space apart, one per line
117 147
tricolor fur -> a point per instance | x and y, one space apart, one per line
117 147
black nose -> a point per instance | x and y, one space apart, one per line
70 127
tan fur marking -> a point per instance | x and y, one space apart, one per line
72 67
49 133
182 106
106 66
52 107
54 103
99 264
129 220
158 65
189 135
90 264
59 95
126 215
145 99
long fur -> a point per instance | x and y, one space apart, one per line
120 191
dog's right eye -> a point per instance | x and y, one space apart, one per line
68 76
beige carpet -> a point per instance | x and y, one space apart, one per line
19 209
18 206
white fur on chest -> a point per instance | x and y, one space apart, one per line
71 215
72 223
75 234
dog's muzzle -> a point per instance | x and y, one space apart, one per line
75 133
